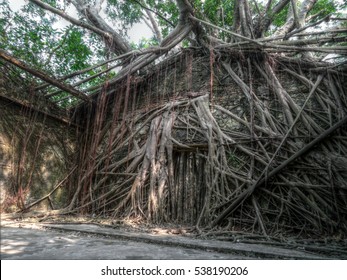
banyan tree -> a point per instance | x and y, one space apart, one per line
233 117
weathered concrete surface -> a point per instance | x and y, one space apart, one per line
89 241
241 250
34 243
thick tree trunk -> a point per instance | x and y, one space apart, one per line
117 43
296 17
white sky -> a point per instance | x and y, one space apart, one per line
136 33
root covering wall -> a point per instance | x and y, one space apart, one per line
36 153
241 142
253 143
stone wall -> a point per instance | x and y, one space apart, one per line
36 152
189 166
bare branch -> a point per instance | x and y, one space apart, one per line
154 26
306 26
43 76
295 12
289 25
117 42
114 40
153 11
80 72
98 4
71 19
305 7
228 31
265 22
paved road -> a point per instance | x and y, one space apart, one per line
27 243
90 241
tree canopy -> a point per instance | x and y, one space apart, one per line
95 44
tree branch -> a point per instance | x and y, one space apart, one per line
71 19
227 31
295 12
155 12
6 56
117 43
182 30
247 193
305 7
154 26
265 22
51 192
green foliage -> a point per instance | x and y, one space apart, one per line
323 8
281 17
24 35
34 35
219 12
31 35
72 53
168 10
145 43
127 11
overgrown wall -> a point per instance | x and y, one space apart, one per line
201 139
36 153
188 142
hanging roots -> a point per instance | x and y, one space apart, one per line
268 155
